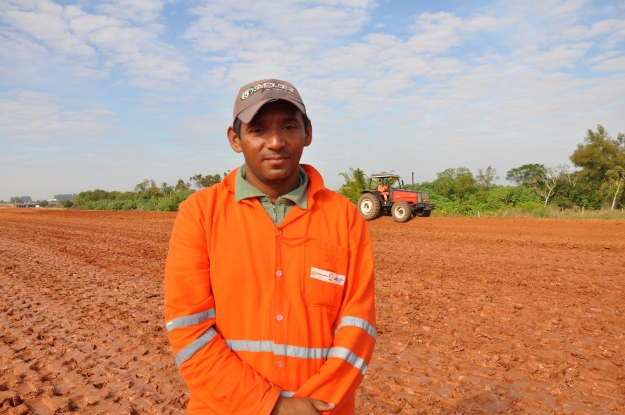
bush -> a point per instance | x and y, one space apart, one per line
168 203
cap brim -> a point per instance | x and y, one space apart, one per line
248 114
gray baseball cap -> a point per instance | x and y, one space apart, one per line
254 95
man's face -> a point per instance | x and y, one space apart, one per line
273 142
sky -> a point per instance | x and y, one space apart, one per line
104 94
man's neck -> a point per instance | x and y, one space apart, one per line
274 189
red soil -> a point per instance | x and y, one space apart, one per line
474 316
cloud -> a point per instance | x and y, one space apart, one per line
617 64
604 56
560 56
256 24
36 116
91 45
137 11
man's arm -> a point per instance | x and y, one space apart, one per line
355 334
213 373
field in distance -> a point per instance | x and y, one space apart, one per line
474 315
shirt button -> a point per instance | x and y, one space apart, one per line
279 232
279 317
278 273
280 364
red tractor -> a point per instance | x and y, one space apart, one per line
401 204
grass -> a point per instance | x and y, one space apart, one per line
550 212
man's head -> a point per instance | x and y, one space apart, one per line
271 129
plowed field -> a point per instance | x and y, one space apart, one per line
474 316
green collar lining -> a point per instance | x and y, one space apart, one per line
244 190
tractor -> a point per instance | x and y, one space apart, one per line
401 204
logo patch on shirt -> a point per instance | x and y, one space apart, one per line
327 276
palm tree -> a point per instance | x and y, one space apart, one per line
355 183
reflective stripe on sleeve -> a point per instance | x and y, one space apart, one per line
191 320
278 349
350 357
287 394
186 353
357 322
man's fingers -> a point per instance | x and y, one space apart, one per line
321 405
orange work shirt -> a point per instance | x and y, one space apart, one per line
255 310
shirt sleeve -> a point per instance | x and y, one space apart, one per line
355 332
216 377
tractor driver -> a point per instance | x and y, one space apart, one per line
383 190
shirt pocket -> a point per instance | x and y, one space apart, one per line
325 274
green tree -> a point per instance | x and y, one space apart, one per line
526 174
143 186
615 178
202 182
181 186
599 153
540 178
486 178
601 159
15 200
147 189
355 183
455 183
166 188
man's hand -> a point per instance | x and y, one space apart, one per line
300 406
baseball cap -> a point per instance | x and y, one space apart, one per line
254 95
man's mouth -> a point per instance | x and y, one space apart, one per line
276 158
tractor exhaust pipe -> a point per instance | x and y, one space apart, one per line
412 180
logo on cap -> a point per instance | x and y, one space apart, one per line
266 85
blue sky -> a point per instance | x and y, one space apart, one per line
102 94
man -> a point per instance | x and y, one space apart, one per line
383 190
269 277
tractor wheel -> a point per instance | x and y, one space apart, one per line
424 214
369 206
401 211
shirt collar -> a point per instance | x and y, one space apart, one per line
244 190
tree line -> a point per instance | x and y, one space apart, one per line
20 199
147 195
596 180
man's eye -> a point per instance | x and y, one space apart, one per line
290 127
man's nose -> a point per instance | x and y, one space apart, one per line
275 140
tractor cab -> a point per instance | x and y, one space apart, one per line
392 182
400 203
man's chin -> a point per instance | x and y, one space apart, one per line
277 175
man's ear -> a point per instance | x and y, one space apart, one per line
234 140
308 135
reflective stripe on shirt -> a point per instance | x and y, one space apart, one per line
278 349
350 357
357 322
190 320
186 353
